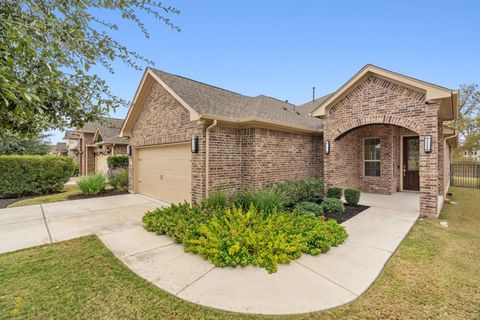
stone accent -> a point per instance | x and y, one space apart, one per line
376 101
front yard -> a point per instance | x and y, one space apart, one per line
433 275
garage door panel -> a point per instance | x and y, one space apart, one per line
164 172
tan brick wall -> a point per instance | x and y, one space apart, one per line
378 101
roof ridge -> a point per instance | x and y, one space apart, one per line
200 82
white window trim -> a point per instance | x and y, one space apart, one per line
364 160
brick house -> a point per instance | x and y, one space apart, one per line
381 132
96 142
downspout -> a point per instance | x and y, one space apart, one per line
207 155
445 191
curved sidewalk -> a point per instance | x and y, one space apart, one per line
305 285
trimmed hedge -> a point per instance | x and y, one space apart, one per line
332 205
22 175
120 161
352 196
334 192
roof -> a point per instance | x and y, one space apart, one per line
70 134
308 107
211 101
109 129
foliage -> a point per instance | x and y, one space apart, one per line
118 179
296 191
468 122
119 161
92 184
266 200
240 238
50 55
11 143
332 205
308 208
30 175
352 196
175 220
334 192
216 199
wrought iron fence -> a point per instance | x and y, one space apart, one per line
465 175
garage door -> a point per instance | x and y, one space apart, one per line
101 165
164 173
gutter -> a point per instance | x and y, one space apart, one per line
207 155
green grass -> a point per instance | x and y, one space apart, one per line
433 275
70 190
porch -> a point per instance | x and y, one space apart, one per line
404 201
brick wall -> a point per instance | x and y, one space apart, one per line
378 101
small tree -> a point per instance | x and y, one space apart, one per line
13 144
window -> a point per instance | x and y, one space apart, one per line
371 157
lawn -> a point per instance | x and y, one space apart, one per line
70 190
433 275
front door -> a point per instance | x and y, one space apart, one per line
411 163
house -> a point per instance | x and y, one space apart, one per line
71 141
96 142
381 132
59 149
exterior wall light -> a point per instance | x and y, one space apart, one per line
427 144
195 144
327 147
129 150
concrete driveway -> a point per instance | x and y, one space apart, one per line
307 284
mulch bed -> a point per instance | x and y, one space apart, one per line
6 202
106 193
350 212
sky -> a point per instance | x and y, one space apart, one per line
284 48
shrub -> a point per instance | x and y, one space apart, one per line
308 208
216 199
92 184
352 196
175 220
296 191
120 161
239 238
266 200
31 175
334 193
332 205
118 179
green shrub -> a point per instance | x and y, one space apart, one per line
216 199
120 161
266 200
296 191
118 179
92 184
334 193
308 208
240 238
332 205
352 196
32 175
176 220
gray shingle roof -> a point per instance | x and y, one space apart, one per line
109 129
70 134
209 100
308 107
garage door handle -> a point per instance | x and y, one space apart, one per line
161 177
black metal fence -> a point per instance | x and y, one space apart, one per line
465 175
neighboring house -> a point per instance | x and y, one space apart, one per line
71 138
96 142
381 132
472 154
59 149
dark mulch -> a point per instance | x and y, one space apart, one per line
106 193
350 212
6 202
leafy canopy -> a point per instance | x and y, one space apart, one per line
11 143
47 49
468 122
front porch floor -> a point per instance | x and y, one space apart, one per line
404 201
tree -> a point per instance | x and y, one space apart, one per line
47 49
468 122
13 144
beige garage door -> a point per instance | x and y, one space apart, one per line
165 173
101 165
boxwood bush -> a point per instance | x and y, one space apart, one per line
237 237
296 191
334 192
332 205
308 208
22 175
120 161
352 196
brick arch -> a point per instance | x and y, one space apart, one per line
346 127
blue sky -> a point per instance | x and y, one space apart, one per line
282 49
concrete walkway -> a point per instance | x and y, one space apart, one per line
307 284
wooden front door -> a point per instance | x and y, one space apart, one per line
411 163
